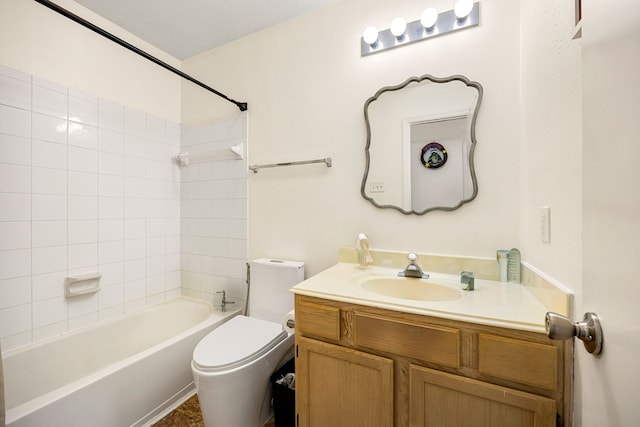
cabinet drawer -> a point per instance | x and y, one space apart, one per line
318 320
429 343
516 360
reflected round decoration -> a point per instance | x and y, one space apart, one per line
433 155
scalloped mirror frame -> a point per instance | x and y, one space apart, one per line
410 80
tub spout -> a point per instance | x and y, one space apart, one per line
224 302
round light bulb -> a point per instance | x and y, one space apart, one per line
398 26
463 8
370 35
429 17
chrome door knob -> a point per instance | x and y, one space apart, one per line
559 327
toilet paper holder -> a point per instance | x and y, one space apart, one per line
559 327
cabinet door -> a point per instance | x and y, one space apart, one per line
338 386
441 399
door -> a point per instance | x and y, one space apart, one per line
338 386
608 387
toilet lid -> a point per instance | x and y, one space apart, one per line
236 343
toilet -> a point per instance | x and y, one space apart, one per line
232 365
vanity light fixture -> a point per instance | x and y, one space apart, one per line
465 14
398 28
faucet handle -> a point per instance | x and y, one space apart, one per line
412 257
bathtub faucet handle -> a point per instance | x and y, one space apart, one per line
224 301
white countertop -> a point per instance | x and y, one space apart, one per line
506 305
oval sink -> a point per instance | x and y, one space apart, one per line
413 289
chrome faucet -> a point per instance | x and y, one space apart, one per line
467 278
362 249
413 269
224 302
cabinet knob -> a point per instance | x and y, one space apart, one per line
559 327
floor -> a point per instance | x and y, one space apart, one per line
188 415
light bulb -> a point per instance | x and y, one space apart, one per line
370 35
429 17
398 27
463 8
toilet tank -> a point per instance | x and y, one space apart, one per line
269 284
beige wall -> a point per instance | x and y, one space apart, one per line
551 156
38 41
306 84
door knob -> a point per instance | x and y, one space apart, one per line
559 327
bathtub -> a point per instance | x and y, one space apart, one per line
121 372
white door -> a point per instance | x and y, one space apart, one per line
608 388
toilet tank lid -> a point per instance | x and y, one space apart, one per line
237 342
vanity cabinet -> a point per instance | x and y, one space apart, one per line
363 366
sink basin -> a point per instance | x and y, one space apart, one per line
409 288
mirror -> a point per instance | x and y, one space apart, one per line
420 144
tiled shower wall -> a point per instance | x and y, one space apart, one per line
85 185
214 211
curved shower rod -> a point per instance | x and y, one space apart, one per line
64 12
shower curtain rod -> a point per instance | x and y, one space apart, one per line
241 105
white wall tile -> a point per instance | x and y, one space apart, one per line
83 207
47 128
49 154
46 84
83 320
15 178
134 269
110 208
82 184
110 185
48 207
155 129
15 149
83 159
83 231
110 115
49 311
49 233
134 187
110 163
112 274
135 167
110 141
15 92
15 235
155 246
134 290
155 189
15 292
50 330
83 110
49 102
134 122
135 146
155 227
48 181
14 121
49 259
15 263
135 228
110 252
110 296
134 249
82 135
110 230
48 285
14 320
135 208
82 257
155 265
155 284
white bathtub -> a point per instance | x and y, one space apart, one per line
120 372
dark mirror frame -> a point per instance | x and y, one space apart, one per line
472 148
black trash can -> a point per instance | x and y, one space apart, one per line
284 398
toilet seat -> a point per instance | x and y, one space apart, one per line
235 343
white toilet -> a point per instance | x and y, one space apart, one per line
232 365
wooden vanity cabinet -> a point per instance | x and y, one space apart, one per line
369 367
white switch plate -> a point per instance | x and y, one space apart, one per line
376 187
545 224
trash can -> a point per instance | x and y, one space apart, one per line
284 397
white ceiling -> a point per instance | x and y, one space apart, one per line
184 28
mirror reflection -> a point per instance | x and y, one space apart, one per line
420 144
